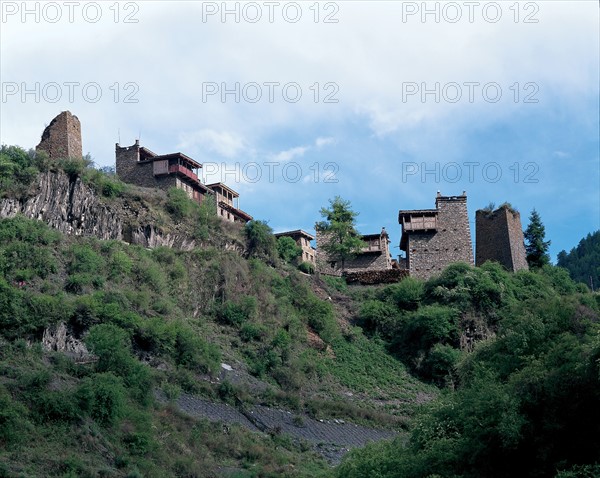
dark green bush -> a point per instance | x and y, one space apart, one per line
287 249
261 241
307 268
102 396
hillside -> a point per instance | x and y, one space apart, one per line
583 261
102 340
123 356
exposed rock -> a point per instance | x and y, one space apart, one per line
72 207
57 338
67 205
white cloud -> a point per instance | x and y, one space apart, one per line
321 142
291 153
223 143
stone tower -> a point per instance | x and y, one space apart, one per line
499 237
62 137
436 238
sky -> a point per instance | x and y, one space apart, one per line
294 103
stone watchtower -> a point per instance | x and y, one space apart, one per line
435 238
62 137
499 237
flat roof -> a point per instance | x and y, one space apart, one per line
297 232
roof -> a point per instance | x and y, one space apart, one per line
235 211
415 212
152 156
297 232
235 194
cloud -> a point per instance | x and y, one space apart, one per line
561 154
223 143
290 154
320 142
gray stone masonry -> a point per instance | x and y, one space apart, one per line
430 251
499 237
62 137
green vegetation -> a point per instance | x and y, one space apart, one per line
535 246
166 319
523 403
287 249
343 241
583 261
483 372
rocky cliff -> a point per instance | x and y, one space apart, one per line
69 205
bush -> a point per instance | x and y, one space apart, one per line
261 241
287 249
306 267
179 204
102 396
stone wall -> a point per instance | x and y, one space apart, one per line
388 276
499 237
429 253
131 170
367 261
62 137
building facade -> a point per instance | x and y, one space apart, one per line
303 240
61 139
375 256
138 165
228 203
435 238
499 238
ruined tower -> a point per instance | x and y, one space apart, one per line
435 238
499 237
62 137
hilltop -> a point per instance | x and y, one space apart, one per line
129 316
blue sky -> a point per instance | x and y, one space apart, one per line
378 138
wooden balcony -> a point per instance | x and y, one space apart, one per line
419 223
182 171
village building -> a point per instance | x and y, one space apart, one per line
436 238
374 256
138 165
303 240
499 238
228 203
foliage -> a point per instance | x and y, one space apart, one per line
524 403
583 261
261 241
287 249
535 246
179 204
306 267
17 169
341 240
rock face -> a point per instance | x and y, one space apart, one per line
67 205
57 338
72 207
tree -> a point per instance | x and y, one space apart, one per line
342 240
535 246
261 241
287 249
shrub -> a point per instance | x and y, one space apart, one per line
287 249
408 293
102 396
307 268
179 204
261 241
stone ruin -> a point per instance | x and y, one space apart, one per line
62 137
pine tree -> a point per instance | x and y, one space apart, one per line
342 240
535 246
